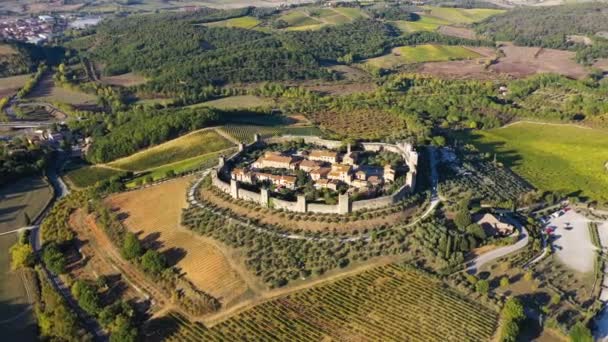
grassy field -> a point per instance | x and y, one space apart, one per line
425 23
552 157
28 195
199 162
461 15
46 91
16 320
10 85
241 22
204 264
184 147
245 133
315 18
235 102
421 54
89 175
387 303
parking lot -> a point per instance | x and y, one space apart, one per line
571 241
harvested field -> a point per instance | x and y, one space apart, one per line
195 163
241 22
26 196
360 124
185 147
10 85
460 32
425 23
46 91
124 80
203 263
461 15
524 61
400 56
235 102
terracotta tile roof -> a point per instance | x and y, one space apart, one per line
323 153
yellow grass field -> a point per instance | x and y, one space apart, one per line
155 213
187 146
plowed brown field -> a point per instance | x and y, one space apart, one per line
154 213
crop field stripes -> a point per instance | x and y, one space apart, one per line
388 303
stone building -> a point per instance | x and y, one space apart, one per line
324 156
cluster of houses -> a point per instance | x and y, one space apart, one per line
326 168
32 30
38 30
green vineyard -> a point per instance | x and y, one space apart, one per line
245 133
389 303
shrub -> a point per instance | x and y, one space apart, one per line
22 255
131 247
54 259
153 262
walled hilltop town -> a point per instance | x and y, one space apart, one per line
326 167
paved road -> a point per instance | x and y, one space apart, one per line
61 190
474 265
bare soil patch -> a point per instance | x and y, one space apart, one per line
154 213
124 80
10 85
455 31
525 61
284 221
96 262
342 88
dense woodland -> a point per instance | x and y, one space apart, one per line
551 26
18 159
140 128
26 58
182 57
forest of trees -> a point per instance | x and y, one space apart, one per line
182 57
140 128
550 27
18 159
27 57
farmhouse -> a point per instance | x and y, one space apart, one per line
492 225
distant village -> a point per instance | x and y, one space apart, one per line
38 30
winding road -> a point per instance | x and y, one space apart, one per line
61 190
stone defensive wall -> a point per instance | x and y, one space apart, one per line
345 205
